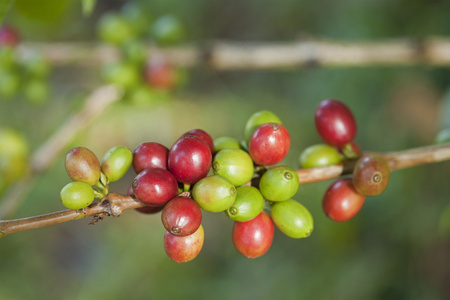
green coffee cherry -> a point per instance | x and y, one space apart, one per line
292 218
226 142
116 162
214 193
123 74
320 155
77 195
248 204
279 183
167 30
256 120
36 91
82 165
136 16
115 29
234 164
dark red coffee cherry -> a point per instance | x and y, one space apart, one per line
189 159
146 209
253 238
9 37
269 144
155 186
182 249
371 175
335 123
204 136
341 201
181 216
150 155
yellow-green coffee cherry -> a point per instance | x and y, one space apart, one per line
279 183
248 204
320 155
116 162
234 164
77 195
226 142
292 218
214 193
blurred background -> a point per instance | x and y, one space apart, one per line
397 247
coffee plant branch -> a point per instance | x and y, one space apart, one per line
229 55
114 204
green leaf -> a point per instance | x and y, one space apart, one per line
88 6
4 6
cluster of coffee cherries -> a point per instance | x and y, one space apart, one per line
145 77
346 196
28 77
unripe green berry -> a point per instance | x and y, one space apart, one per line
77 195
279 183
320 155
248 204
226 142
292 218
234 164
214 193
116 162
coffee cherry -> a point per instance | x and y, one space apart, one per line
225 142
320 155
269 144
182 249
115 29
292 218
279 183
136 16
335 123
167 30
155 186
204 136
350 150
9 37
341 201
214 193
161 75
248 204
134 51
146 209
77 195
371 175
116 162
82 165
189 159
181 216
124 74
150 155
36 91
235 165
253 238
256 120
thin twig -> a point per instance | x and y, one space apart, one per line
115 204
46 154
229 55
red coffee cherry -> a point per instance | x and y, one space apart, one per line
146 209
269 144
182 249
181 216
371 175
341 201
335 123
8 36
160 75
253 238
155 186
189 159
204 136
150 155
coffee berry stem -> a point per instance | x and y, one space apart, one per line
115 204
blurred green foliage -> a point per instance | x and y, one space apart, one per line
398 247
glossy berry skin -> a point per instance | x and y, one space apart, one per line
225 142
335 122
116 162
249 203
82 165
256 120
279 183
9 37
204 136
150 155
214 193
182 249
77 195
181 216
319 155
155 186
253 238
341 201
269 144
189 159
371 175
292 218
146 209
235 165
